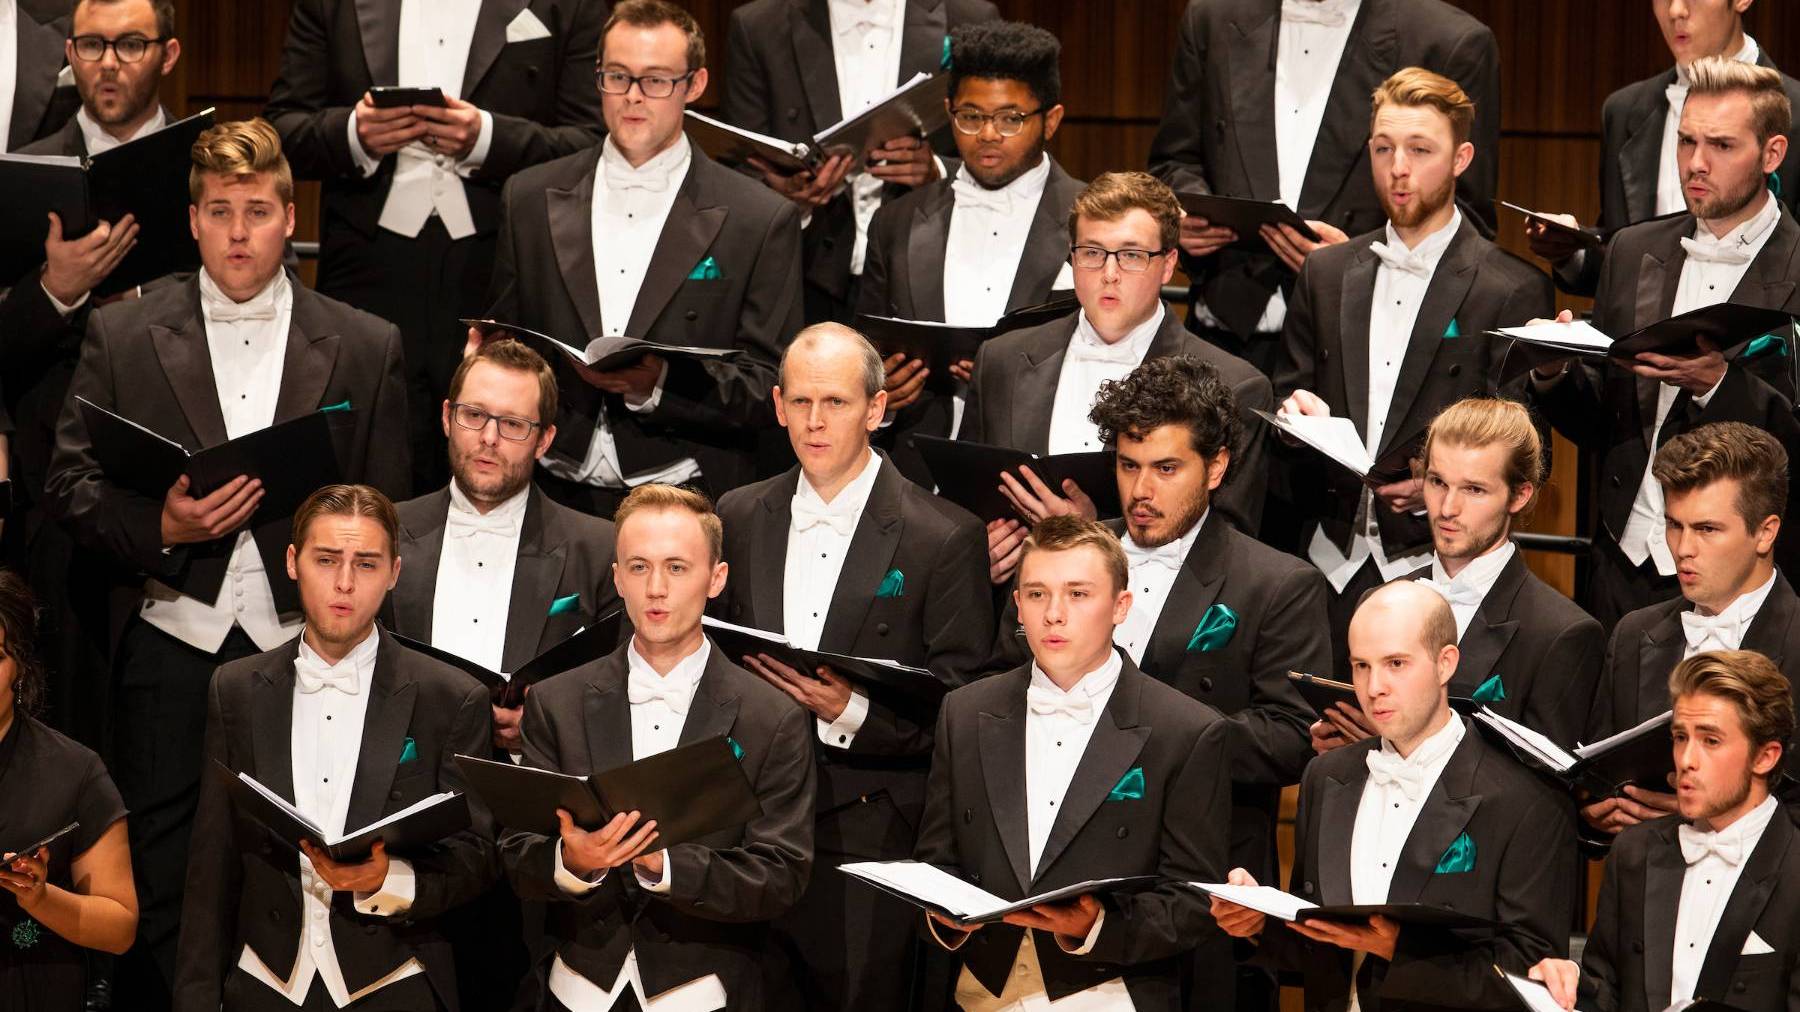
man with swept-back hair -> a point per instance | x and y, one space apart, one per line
238 347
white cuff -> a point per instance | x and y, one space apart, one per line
471 163
1700 401
365 162
942 172
569 882
842 731
1087 944
649 403
961 936
57 304
662 885
396 895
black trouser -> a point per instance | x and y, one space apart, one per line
424 286
244 993
159 729
848 946
1616 587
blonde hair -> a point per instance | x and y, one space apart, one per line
1065 533
656 498
248 147
1112 195
1752 682
1770 111
348 501
1486 421
1416 86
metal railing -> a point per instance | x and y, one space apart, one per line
306 250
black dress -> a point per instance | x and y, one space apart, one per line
46 782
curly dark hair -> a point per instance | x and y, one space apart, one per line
18 624
1007 51
1174 390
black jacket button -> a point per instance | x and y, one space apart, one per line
1615 481
1637 946
1123 832
274 915
737 609
828 242
694 314
1456 369
793 113
393 795
968 815
1739 986
881 628
975 877
1324 354
1206 684
1306 887
369 929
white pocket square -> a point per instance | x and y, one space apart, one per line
526 27
1755 946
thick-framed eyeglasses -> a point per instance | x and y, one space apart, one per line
469 416
1007 123
617 82
130 49
1131 261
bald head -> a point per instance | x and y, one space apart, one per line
830 400
838 350
1402 655
1411 603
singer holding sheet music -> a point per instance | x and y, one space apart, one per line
349 726
633 923
1076 766
76 893
1425 813
1703 903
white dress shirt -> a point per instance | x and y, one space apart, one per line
1470 587
1669 198
1714 862
659 706
475 576
1089 362
987 236
1152 576
9 65
1058 725
1401 281
97 140
631 206
325 743
434 40
819 535
865 52
246 357
1310 45
1710 272
1725 630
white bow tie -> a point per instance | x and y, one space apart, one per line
220 310
463 524
809 514
1402 259
622 177
1734 252
311 675
1085 349
1313 12
1696 844
969 194
1168 556
643 686
1724 628
1389 768
1044 701
1455 592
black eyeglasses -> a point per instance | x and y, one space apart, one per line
130 49
617 82
1131 261
471 417
1007 123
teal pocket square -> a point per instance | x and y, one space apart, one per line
1130 786
1453 330
409 751
1215 629
1490 691
564 605
892 585
1768 344
706 270
737 751
944 64
1458 857
343 405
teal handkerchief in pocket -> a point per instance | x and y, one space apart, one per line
343 405
944 64
409 751
1490 691
737 751
1453 330
1130 786
1215 629
564 605
1458 857
892 585
706 270
1768 344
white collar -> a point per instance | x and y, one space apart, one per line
273 294
686 671
1094 684
1431 248
1334 14
1480 572
361 656
512 509
852 498
1749 232
1024 191
1435 750
98 140
1748 829
1138 339
1747 605
1183 544
1748 53
847 15
669 165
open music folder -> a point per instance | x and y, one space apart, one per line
1272 902
1336 437
968 474
602 353
941 345
929 887
1641 755
508 690
738 641
1321 692
412 828
1244 216
914 109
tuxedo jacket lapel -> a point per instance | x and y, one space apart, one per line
1337 823
1034 389
272 722
1490 630
1447 810
871 552
1000 741
488 40
187 364
768 553
379 22
1657 280
1762 872
1251 63
608 713
1195 589
571 224
1111 750
714 708
1450 284
1046 243
922 39
1769 280
422 549
1640 157
926 245
308 361
537 571
813 55
1358 298
391 696
693 223
40 56
1771 630
1369 57
1659 651
1663 871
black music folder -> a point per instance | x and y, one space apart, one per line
30 850
146 177
917 684
690 792
929 887
1321 692
968 474
1337 439
1589 239
1727 325
940 345
589 644
1641 755
389 96
735 146
1244 216
1273 902
602 353
915 109
293 459
411 829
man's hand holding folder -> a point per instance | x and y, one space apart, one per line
621 841
1377 937
364 876
1070 921
187 520
1401 495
